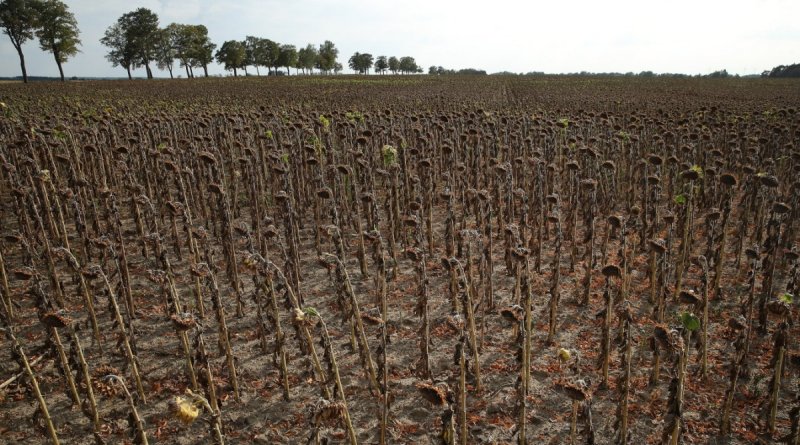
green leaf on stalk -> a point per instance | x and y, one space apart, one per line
690 321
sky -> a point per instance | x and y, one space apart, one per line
675 36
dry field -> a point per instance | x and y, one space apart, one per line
388 259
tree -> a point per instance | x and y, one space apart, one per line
58 32
251 46
471 72
719 74
183 43
783 71
191 46
394 64
287 57
266 53
141 27
408 65
165 51
433 70
327 57
121 52
204 53
361 63
201 49
337 68
232 55
366 62
353 62
19 19
381 64
307 58
133 40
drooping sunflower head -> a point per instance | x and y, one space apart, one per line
184 409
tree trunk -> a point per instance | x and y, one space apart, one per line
186 65
60 68
22 64
287 71
258 72
169 68
235 74
205 69
149 72
128 68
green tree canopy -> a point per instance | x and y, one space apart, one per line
307 58
182 39
141 26
201 49
408 65
165 50
19 19
394 64
58 31
328 53
783 71
287 57
121 52
266 53
133 40
381 64
232 55
203 54
251 49
190 43
360 62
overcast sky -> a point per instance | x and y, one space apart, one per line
686 36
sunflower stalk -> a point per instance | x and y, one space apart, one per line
123 333
51 430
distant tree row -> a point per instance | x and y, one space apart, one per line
362 62
441 71
257 52
783 71
135 40
49 20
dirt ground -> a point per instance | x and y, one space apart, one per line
262 416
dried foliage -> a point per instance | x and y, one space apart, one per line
507 249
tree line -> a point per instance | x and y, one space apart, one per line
136 40
783 71
441 71
363 62
260 52
48 20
